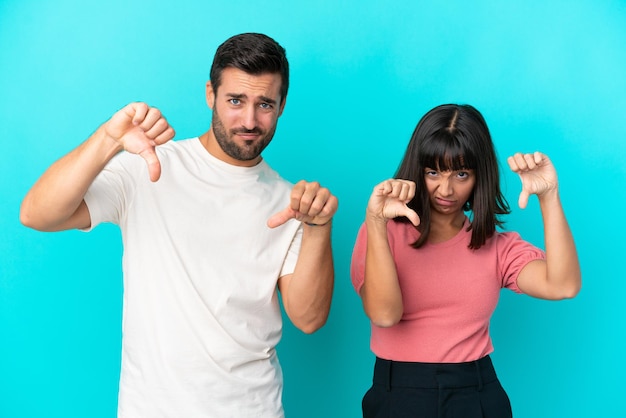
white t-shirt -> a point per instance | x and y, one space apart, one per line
201 314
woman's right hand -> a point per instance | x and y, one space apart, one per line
389 200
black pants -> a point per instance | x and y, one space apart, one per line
436 390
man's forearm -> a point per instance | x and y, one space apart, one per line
57 195
307 297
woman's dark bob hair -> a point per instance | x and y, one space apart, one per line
455 137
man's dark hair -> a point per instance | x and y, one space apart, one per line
253 53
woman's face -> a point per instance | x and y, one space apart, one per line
449 190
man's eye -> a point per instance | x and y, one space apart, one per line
235 101
265 106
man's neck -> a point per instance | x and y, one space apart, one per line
209 143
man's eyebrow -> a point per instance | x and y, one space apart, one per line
243 96
268 100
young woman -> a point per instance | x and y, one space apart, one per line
430 279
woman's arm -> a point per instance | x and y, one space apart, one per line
558 276
380 293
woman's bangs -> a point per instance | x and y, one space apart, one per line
444 152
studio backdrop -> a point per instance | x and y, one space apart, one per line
548 76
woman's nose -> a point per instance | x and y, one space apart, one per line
445 187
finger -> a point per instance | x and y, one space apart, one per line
384 188
165 136
157 128
150 119
154 165
407 192
303 195
412 216
329 208
396 189
296 194
390 188
411 193
136 112
318 205
519 162
523 199
529 159
281 217
512 164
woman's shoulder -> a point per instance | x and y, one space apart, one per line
511 241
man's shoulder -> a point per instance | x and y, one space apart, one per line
178 149
272 176
179 144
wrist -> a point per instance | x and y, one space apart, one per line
102 147
108 143
376 224
551 195
318 224
375 219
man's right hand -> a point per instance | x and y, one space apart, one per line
138 129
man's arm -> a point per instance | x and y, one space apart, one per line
55 202
307 293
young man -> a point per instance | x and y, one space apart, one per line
209 232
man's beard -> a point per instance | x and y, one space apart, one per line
246 152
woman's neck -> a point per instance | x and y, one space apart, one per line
445 227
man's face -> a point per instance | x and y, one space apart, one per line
245 113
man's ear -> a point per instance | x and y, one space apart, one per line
210 95
282 106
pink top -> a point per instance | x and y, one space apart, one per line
449 293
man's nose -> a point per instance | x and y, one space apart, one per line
248 117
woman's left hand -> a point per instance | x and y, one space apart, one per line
537 173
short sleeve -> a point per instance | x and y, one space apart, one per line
292 254
357 266
513 255
109 194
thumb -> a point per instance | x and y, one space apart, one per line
281 217
523 199
154 165
412 216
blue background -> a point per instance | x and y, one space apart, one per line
547 76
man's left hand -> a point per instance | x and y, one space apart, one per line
309 203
